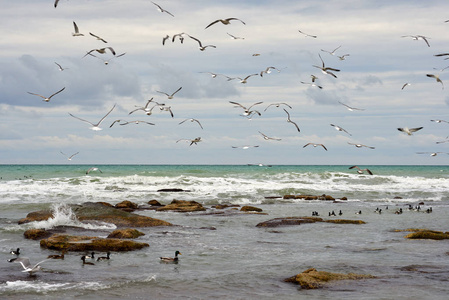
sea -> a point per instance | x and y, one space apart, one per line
224 255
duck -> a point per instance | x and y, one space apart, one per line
91 256
83 258
56 256
15 252
171 259
104 257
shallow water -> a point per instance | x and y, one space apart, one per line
237 260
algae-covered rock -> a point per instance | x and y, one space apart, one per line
301 220
41 215
36 234
61 242
182 206
313 279
250 208
127 233
345 221
428 234
126 205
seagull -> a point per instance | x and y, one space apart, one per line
360 171
340 129
315 145
244 80
56 3
181 37
101 51
97 37
417 37
312 84
170 96
437 78
95 126
361 145
60 67
269 138
116 121
93 169
443 54
331 52
148 111
164 39
166 108
69 157
290 121
245 147
342 57
46 99
235 37
439 121
431 153
192 120
194 141
201 47
409 131
349 107
159 8
135 122
214 75
77 32
325 69
224 21
247 111
278 105
25 262
405 84
268 71
308 35
106 61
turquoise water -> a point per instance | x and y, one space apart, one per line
237 260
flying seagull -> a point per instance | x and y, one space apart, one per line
439 121
315 145
192 120
360 171
342 57
290 121
431 153
101 51
97 37
25 262
148 111
312 84
201 47
349 107
166 108
135 122
244 80
159 8
106 61
194 141
69 157
404 85
308 35
77 32
269 138
409 131
46 99
361 145
93 169
170 96
268 71
235 37
325 69
245 147
95 126
417 37
331 52
340 129
60 67
56 3
437 78
247 111
224 21
277 105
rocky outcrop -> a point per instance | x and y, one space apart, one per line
93 211
301 220
127 233
250 208
127 206
61 242
176 190
182 206
313 279
427 234
310 197
36 234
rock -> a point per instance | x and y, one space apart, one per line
223 206
92 211
61 242
343 198
126 206
182 206
36 234
173 190
154 203
300 220
428 234
313 279
127 233
310 197
250 208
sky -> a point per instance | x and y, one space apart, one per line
377 35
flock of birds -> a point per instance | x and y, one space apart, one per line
31 269
248 111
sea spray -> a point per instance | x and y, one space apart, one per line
64 216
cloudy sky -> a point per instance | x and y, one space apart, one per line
36 35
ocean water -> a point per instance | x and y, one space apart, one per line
226 256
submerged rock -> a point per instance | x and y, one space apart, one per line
300 220
36 234
313 279
312 197
127 205
173 190
61 242
182 206
428 234
127 233
250 208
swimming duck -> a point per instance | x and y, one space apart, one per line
83 258
171 259
56 256
104 257
15 252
